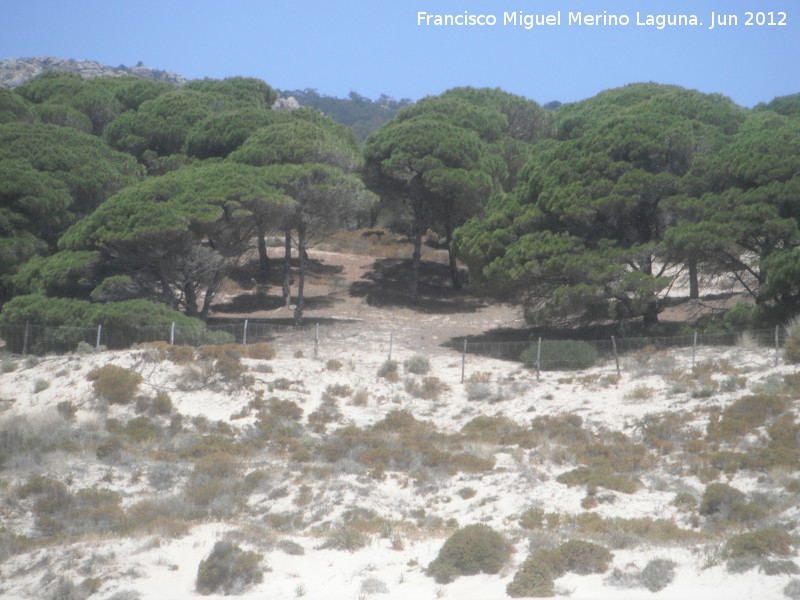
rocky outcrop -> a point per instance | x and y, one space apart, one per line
16 71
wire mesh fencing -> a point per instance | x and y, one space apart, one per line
535 352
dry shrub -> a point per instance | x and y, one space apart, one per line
791 349
259 351
598 478
229 367
116 385
428 389
360 397
745 414
333 364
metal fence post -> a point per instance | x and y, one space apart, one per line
244 334
391 339
694 348
616 355
99 335
26 337
172 334
463 360
777 342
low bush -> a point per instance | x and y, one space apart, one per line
746 414
117 385
561 355
657 574
537 573
388 370
417 364
228 570
759 544
598 478
471 550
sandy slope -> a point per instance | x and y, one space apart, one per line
161 567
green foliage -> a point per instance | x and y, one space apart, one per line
123 321
228 570
471 550
117 385
565 355
63 274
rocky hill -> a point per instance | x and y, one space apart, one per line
16 71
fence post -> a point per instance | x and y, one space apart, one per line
244 334
391 339
539 360
99 335
777 342
26 337
616 355
463 360
172 334
316 340
694 348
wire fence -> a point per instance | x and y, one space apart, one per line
538 353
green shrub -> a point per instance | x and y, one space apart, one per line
537 573
758 544
40 385
657 574
115 384
228 570
345 538
720 498
561 355
417 364
471 550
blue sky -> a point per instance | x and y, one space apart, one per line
376 46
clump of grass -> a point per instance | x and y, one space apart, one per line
345 538
333 364
360 397
640 393
471 550
657 574
228 570
758 545
8 366
117 385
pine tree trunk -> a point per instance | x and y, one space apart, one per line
451 257
287 267
301 280
263 258
694 286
